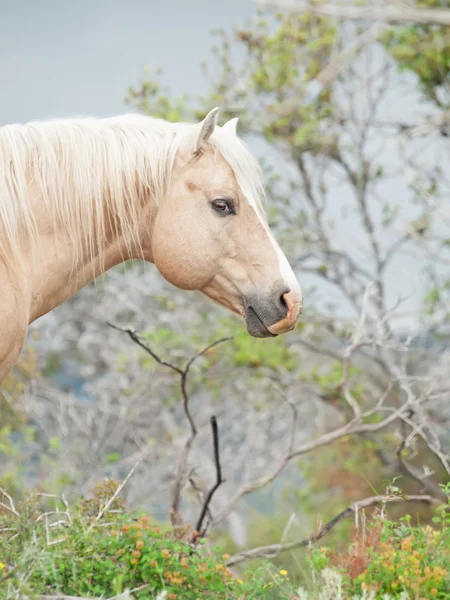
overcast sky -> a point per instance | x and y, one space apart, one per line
69 58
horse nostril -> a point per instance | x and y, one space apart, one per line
283 301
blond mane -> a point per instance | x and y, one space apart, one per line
75 166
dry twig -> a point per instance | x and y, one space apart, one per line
274 549
183 374
199 530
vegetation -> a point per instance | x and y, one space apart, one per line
97 549
309 424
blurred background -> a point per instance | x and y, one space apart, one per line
350 120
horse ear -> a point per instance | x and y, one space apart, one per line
206 128
230 126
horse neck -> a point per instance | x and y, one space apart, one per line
66 212
53 275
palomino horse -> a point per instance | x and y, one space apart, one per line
79 196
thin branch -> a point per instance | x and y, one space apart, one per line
137 339
353 427
120 487
183 373
421 477
392 249
333 69
181 470
199 531
11 506
274 549
433 446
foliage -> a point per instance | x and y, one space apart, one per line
425 51
47 549
14 385
83 556
395 558
14 427
269 354
152 98
323 141
282 63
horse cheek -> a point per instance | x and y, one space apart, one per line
178 263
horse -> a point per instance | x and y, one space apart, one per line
81 195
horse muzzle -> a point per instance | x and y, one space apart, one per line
274 314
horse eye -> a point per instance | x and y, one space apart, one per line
224 207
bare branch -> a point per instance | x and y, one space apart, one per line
183 373
274 549
420 476
328 75
353 427
137 339
199 531
11 506
120 487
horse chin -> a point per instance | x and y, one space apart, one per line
255 326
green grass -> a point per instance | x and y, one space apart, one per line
50 548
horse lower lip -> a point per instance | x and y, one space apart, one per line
255 326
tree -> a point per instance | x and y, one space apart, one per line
323 138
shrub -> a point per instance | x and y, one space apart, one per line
67 550
392 560
87 551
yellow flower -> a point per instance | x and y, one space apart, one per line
225 556
2 565
240 582
283 572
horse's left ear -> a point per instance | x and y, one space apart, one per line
206 128
231 125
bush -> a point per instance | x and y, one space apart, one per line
72 551
67 550
391 560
